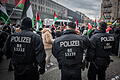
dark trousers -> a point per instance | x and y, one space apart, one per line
1 56
68 74
96 71
26 73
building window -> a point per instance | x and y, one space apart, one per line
39 8
43 2
35 6
46 3
119 10
46 10
40 1
43 9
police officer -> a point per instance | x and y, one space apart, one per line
26 51
102 45
69 49
6 31
117 35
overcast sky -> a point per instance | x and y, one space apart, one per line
91 8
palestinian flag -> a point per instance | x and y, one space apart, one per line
21 4
89 29
76 22
38 22
89 26
55 18
108 29
3 13
95 22
27 11
114 23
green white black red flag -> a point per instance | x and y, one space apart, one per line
3 13
27 11
38 22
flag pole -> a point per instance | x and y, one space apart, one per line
10 15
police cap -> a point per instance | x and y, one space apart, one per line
103 25
26 23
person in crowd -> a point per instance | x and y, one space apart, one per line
6 31
53 33
78 32
40 31
117 36
85 31
82 29
68 49
47 41
109 30
26 51
58 32
17 29
102 46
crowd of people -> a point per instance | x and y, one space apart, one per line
30 52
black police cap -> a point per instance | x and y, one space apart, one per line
103 25
26 23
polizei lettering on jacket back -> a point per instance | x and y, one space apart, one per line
20 39
69 43
20 43
107 39
107 42
70 53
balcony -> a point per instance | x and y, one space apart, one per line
107 11
107 4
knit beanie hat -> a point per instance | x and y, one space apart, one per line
26 23
103 25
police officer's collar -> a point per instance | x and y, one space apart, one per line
27 29
100 31
69 31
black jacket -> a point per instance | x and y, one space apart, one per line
102 45
69 49
117 35
25 48
3 38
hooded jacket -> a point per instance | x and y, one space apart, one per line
47 38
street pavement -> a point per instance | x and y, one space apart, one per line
53 73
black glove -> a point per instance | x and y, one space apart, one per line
111 60
85 64
42 70
10 68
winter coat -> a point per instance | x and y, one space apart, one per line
47 38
